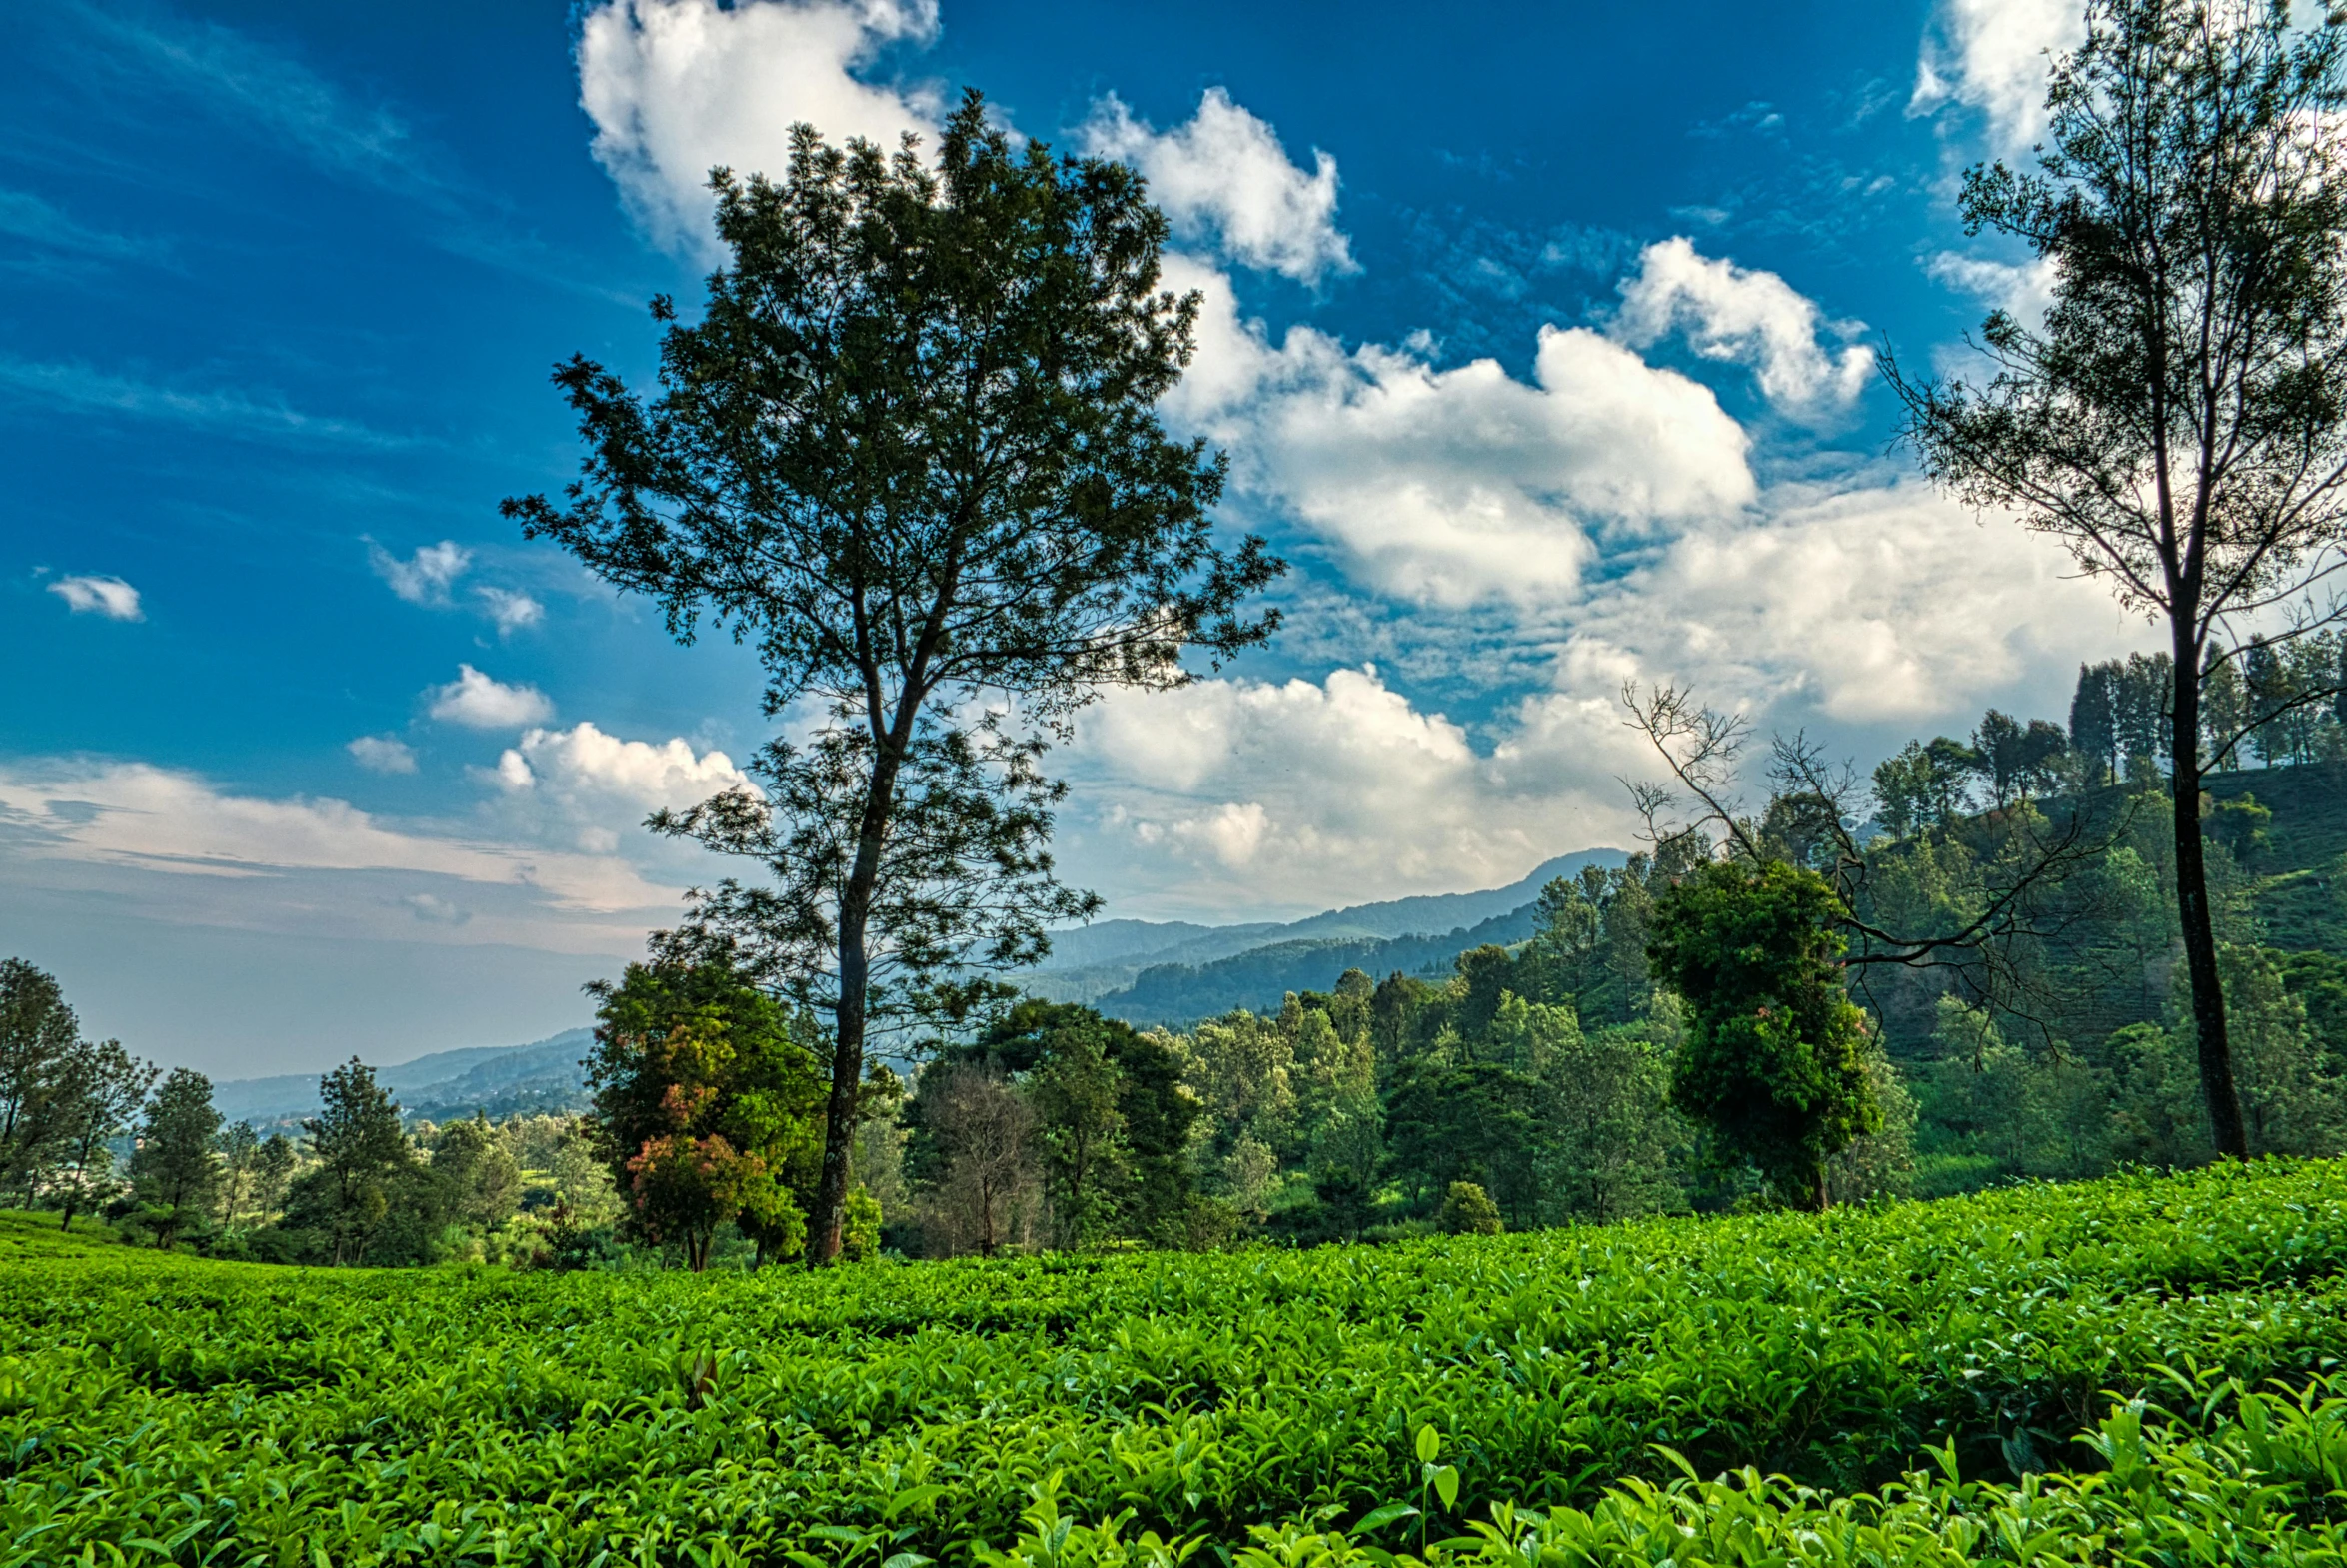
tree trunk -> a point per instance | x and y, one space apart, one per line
2192 911
839 1127
839 1131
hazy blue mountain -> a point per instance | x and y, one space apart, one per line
1081 968
1259 980
499 1079
1105 941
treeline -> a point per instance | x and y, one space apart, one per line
1613 1062
2277 705
1546 1076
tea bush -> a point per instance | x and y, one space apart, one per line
156 1408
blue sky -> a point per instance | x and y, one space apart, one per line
1540 338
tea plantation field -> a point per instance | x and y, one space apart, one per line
2134 1370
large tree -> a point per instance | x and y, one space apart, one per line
361 1147
911 451
2179 417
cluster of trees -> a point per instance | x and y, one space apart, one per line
88 1129
1536 1084
2066 1044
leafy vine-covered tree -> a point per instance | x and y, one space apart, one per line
911 451
2180 417
1775 1057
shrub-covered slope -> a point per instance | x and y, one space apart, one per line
234 1413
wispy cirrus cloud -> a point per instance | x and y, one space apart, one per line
231 411
276 96
277 100
42 225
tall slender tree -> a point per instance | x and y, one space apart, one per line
2179 418
360 1146
910 451
2094 721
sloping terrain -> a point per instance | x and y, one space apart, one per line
2301 871
1259 980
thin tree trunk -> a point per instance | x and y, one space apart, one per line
831 1191
2192 910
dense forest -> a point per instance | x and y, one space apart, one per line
1531 1084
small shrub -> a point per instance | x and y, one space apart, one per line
1467 1210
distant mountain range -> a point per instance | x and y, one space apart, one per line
497 1081
1255 966
1145 971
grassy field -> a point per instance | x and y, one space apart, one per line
1565 1397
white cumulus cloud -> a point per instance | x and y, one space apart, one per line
1994 56
1452 486
1231 793
677 87
383 754
1223 177
1747 317
584 763
480 702
1883 603
424 577
109 597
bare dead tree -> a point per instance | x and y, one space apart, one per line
2020 903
